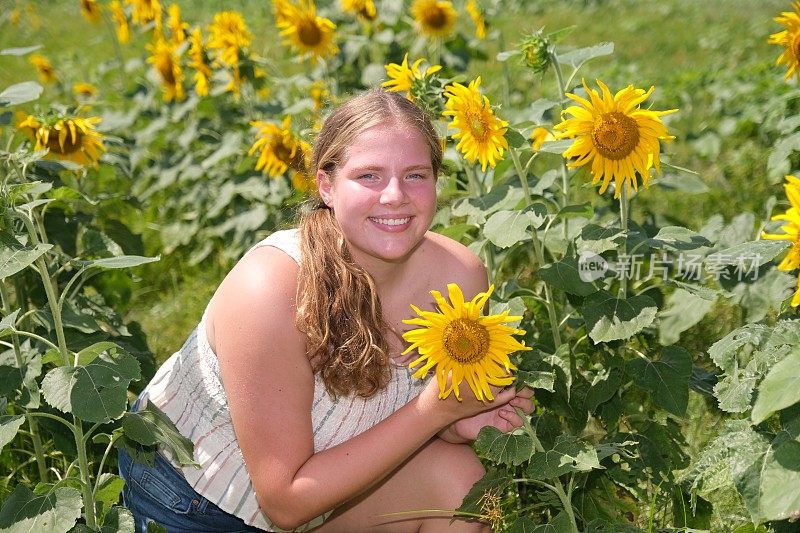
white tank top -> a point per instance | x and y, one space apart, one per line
188 388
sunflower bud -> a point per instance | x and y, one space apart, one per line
536 51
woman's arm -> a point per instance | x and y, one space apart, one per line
270 388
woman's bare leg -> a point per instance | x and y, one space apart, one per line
437 476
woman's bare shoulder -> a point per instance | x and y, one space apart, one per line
452 262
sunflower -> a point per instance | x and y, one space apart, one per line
145 11
310 35
363 9
789 39
197 61
303 181
228 34
477 18
791 230
176 26
71 139
165 60
435 18
90 11
319 94
480 132
120 21
45 69
458 339
539 136
84 90
282 10
401 77
280 149
615 135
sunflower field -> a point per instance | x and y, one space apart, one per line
628 170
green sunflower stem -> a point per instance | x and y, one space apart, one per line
33 425
623 219
562 91
564 496
522 172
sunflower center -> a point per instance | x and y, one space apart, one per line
435 18
466 341
478 126
282 151
309 33
615 135
70 145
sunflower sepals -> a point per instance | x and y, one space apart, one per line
459 342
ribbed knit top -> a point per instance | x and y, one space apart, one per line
188 388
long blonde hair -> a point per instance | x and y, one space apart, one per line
338 307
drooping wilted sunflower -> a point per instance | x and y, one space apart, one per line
120 21
90 11
280 149
164 58
309 35
434 18
477 18
45 69
401 77
614 137
145 11
460 340
197 61
789 39
363 9
71 139
228 34
481 135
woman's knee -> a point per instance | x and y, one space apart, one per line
455 468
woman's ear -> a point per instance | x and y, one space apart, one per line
325 187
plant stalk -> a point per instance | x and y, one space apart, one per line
33 426
623 219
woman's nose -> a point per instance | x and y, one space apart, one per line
393 193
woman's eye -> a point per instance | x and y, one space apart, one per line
416 177
368 177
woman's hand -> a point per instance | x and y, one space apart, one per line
503 417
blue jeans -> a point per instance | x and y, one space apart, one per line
160 493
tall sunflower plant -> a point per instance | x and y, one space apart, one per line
605 292
67 353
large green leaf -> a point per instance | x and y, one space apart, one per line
735 391
118 520
751 254
20 93
509 448
597 239
109 487
53 512
780 387
667 378
677 238
9 425
537 379
683 310
576 58
151 426
12 260
567 455
724 352
122 261
503 197
493 484
609 318
96 392
506 228
564 275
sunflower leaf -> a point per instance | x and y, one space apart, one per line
20 93
580 56
609 318
508 448
568 455
667 379
780 387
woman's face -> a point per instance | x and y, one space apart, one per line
384 194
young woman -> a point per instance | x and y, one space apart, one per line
302 411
